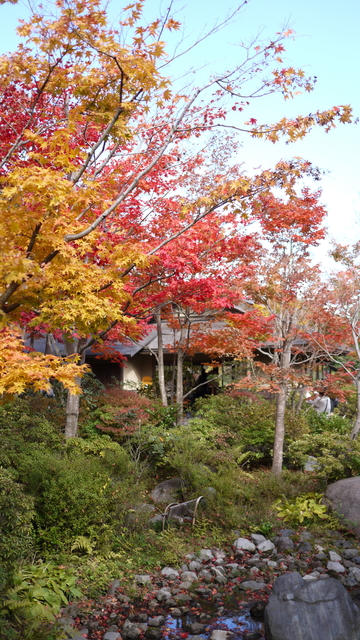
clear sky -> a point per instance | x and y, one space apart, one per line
327 45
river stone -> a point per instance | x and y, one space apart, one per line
257 538
189 576
354 572
251 584
153 633
266 545
162 595
316 610
335 566
143 579
349 554
167 491
206 554
109 635
344 497
244 544
283 543
219 634
194 566
169 572
157 621
334 557
130 630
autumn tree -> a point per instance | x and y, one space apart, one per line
284 288
90 130
336 323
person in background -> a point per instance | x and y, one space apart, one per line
321 404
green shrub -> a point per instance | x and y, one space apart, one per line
37 594
85 491
225 421
320 422
16 515
337 456
23 430
304 509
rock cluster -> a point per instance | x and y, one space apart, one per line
247 571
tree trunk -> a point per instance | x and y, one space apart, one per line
180 374
300 401
73 400
285 361
279 431
72 413
160 360
356 427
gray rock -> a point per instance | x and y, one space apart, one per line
257 538
315 610
168 491
206 554
354 572
272 564
189 576
251 584
143 579
162 595
205 574
335 566
182 597
169 572
176 613
305 547
153 633
158 621
349 554
219 554
334 557
185 585
283 543
122 598
306 535
265 546
197 627
219 634
194 566
130 630
243 544
344 497
286 533
110 635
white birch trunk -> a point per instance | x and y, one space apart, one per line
160 360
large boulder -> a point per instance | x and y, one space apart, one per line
344 497
168 491
310 610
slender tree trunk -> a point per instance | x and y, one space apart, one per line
301 399
172 386
279 431
285 360
356 427
180 374
161 370
73 400
72 413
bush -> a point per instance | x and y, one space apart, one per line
16 515
225 421
84 491
337 456
320 422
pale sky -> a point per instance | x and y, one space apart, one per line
327 45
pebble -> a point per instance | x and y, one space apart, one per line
243 544
335 566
